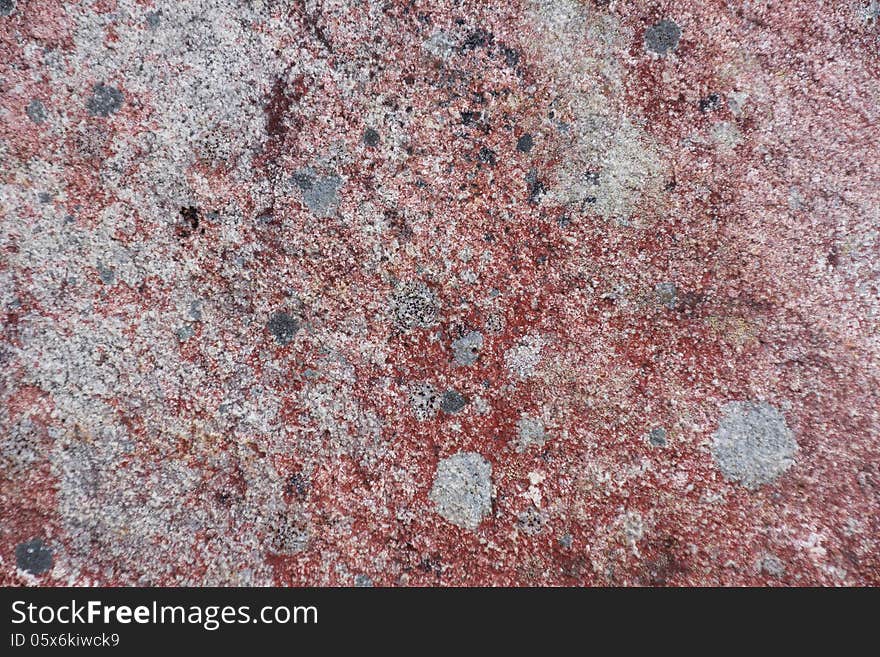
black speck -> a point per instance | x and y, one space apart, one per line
710 103
662 37
283 327
487 156
452 402
524 144
105 100
371 137
592 177
33 557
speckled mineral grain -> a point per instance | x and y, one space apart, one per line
435 292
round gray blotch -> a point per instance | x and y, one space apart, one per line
283 327
6 7
105 100
753 445
466 349
153 19
524 144
462 490
33 557
657 437
414 306
662 37
36 111
452 402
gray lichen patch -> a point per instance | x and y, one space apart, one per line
320 194
36 111
414 305
452 402
424 401
753 445
466 349
530 432
104 101
33 557
462 490
283 327
657 437
662 37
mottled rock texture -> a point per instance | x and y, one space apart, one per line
439 292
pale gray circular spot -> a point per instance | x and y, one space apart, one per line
752 445
462 490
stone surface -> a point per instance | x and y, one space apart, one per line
527 293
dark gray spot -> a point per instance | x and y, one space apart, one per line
524 144
283 327
657 437
33 557
153 18
452 401
105 100
371 137
710 103
466 349
45 197
303 180
752 445
662 37
36 111
566 541
6 7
